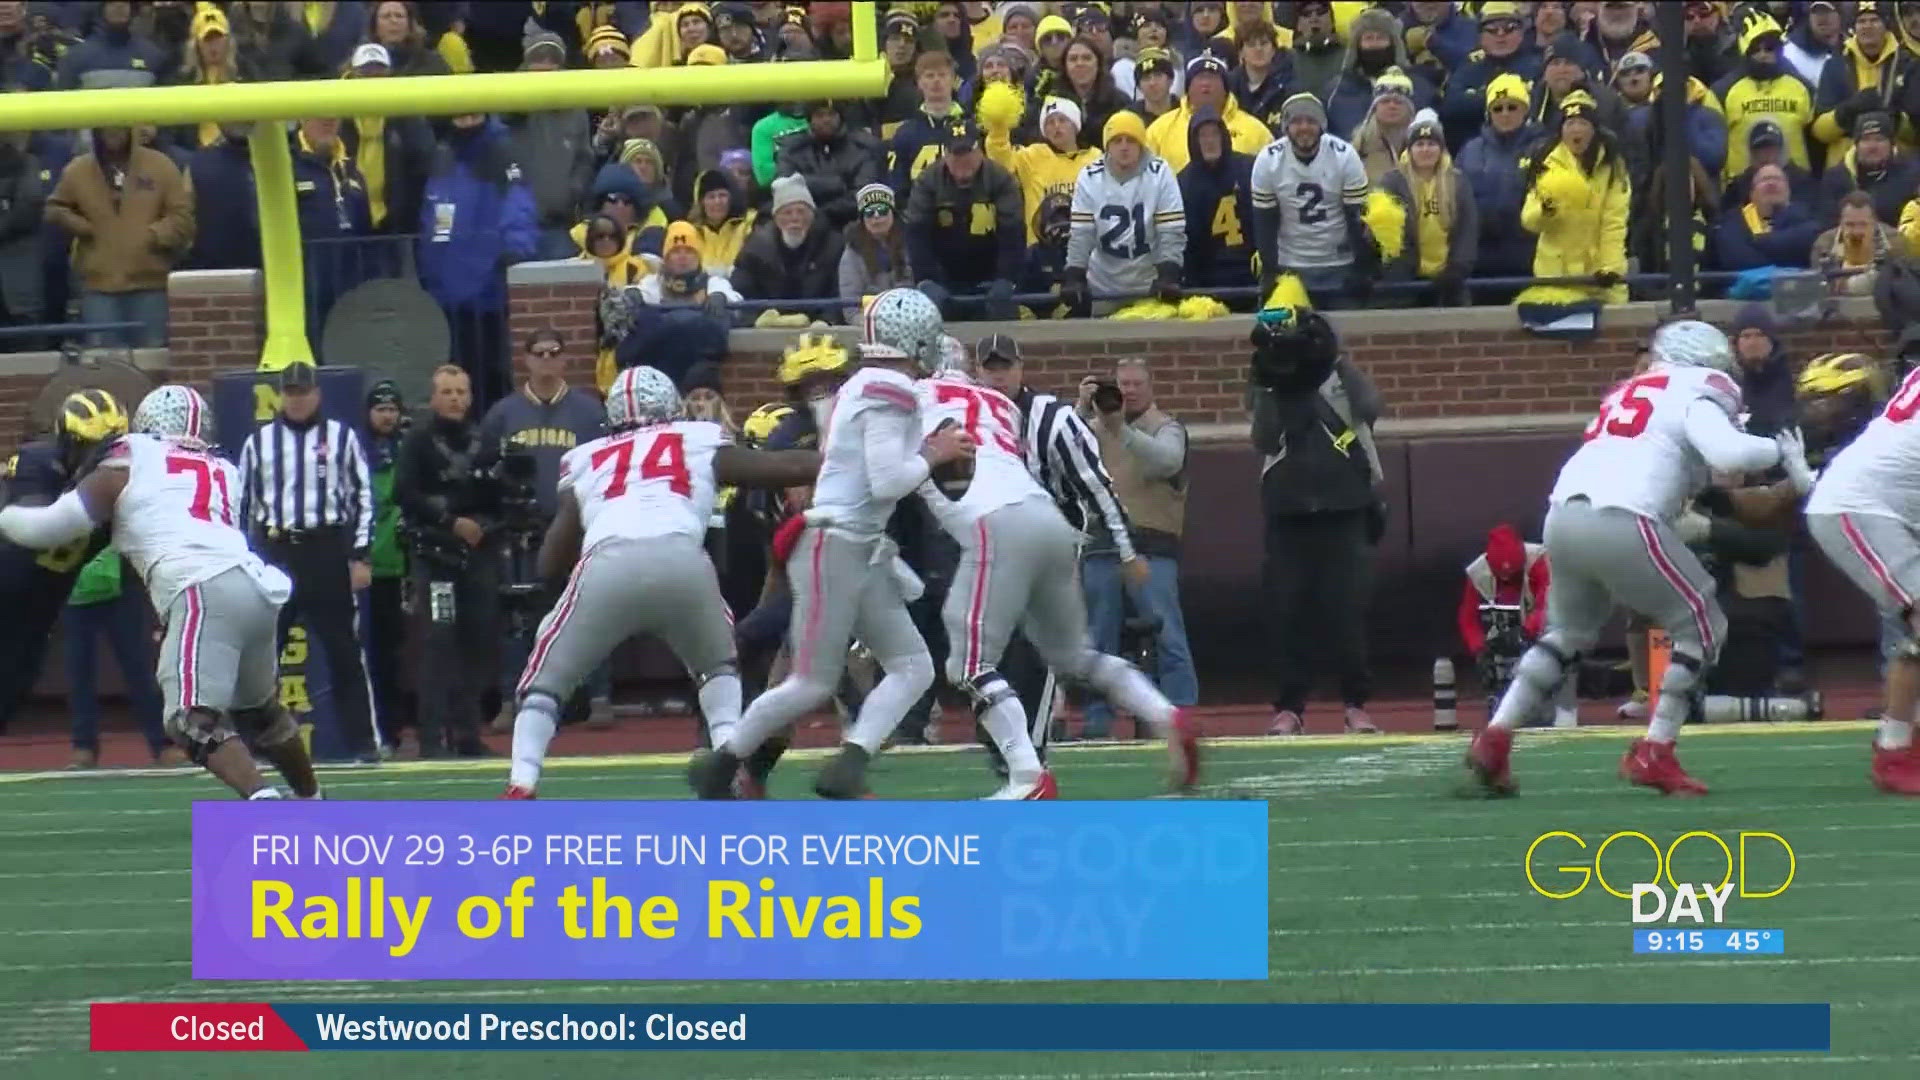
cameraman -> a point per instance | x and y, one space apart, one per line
1312 411
543 421
1145 452
448 502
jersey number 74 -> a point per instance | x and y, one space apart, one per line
666 460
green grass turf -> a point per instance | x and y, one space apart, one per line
1385 887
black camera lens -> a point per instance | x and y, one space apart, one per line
1106 396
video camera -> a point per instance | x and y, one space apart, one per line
1506 644
509 483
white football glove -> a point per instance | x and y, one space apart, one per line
1793 458
1692 527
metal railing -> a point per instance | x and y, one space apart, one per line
54 337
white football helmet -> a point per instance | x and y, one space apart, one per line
907 321
642 395
1692 343
175 412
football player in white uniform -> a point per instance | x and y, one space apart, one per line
1307 190
173 504
1019 567
846 575
1865 515
634 508
1608 534
1128 231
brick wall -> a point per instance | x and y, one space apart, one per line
1466 369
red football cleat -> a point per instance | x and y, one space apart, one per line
517 793
1183 744
1654 764
1490 758
1896 772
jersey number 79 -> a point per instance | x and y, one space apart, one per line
1625 412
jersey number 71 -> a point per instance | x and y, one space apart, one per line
666 460
1625 412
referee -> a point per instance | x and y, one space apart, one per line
306 493
1064 457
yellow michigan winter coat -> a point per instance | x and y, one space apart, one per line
1581 220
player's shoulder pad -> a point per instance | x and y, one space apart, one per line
117 451
887 389
1717 387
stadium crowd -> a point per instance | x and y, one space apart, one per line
1516 140
1029 160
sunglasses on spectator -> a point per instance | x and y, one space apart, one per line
546 352
877 211
616 197
1504 26
1509 106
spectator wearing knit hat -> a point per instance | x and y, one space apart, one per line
1814 40
1578 197
693 27
1381 137
900 45
1764 90
1048 167
1710 40
737 33
1872 166
836 162
792 255
555 151
1374 44
111 45
965 233
1870 73
876 257
722 217
1155 78
682 277
1564 72
1502 51
1206 89
1638 86
1442 240
607 49
1149 32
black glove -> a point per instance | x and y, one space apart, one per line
1376 522
1073 288
1166 285
1448 285
1845 113
1606 279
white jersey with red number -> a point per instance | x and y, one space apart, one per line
1637 455
853 492
1879 472
650 481
1000 474
177 519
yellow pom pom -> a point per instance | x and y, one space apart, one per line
1565 189
1386 220
1000 107
1146 309
1553 294
1201 307
1288 292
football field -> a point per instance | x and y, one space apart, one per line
1386 886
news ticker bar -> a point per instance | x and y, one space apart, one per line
1715 942
1569 1028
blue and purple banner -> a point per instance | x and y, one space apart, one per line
1160 889
1222 1026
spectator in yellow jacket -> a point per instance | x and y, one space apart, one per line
1206 88
1577 197
722 219
1045 168
1764 89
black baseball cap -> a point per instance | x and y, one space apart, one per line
961 136
997 347
298 375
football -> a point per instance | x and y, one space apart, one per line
953 477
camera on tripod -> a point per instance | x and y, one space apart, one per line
1506 644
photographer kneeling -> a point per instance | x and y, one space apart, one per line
1312 412
448 484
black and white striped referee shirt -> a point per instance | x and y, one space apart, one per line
295 478
1064 456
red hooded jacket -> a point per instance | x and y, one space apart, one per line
1510 571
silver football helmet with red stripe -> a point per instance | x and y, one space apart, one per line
1692 343
640 396
175 412
905 321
